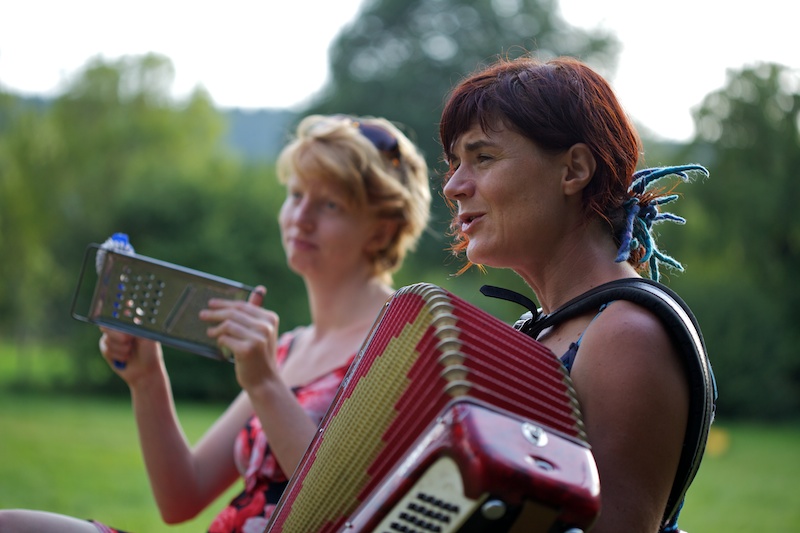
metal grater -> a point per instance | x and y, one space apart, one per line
152 299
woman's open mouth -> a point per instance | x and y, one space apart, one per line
468 221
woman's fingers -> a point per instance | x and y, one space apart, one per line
240 325
257 296
226 315
122 350
116 347
249 331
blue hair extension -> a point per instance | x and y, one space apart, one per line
639 219
626 245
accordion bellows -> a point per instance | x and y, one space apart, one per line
447 420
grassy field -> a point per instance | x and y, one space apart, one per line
747 482
80 456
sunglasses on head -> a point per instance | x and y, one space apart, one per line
381 139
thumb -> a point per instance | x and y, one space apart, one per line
257 296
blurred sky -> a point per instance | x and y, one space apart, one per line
674 53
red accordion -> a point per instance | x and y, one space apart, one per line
448 420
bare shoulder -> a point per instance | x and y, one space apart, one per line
630 342
634 395
629 364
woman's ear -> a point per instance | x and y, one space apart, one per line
580 166
382 235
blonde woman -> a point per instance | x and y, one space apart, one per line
357 200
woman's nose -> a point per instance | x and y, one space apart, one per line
303 213
457 186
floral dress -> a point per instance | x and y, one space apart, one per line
264 480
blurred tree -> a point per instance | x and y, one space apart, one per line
743 245
400 58
120 133
116 153
30 151
130 130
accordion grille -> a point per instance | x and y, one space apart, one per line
426 349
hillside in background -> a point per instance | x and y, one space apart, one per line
258 135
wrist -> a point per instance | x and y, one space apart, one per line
267 390
150 383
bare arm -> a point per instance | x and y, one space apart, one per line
184 480
251 333
634 396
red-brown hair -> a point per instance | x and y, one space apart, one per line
556 104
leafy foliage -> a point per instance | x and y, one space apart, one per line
116 153
743 245
399 59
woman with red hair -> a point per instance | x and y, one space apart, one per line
543 180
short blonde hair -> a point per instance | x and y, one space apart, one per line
391 180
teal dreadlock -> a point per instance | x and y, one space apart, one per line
639 218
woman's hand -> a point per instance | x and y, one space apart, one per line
250 332
132 358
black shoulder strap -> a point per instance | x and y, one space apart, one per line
685 332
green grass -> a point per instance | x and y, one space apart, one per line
750 484
80 457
